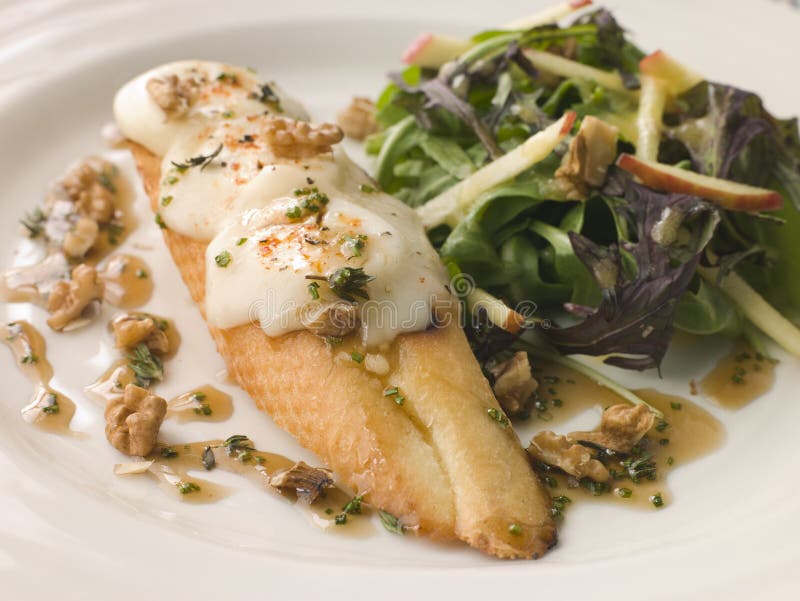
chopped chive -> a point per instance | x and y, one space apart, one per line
223 259
356 356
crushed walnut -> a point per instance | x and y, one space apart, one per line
130 330
133 421
330 319
173 94
586 162
513 384
621 428
308 482
357 120
69 298
88 189
300 140
572 457
80 239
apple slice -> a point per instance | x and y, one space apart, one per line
452 205
652 98
497 311
548 15
563 67
729 195
677 77
432 50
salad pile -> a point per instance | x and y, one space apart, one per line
621 192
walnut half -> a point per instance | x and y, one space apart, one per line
300 140
621 428
133 421
573 458
133 329
308 482
357 120
174 95
68 299
514 384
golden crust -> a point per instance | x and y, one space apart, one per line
439 462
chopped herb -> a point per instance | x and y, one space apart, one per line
227 114
333 341
141 274
737 379
399 399
640 467
347 282
550 481
497 416
313 290
145 365
32 222
30 359
329 511
258 459
244 456
209 461
115 230
52 407
390 522
160 221
203 409
367 189
340 520
391 391
676 406
187 487
559 504
229 77
245 139
237 442
661 425
241 241
294 212
657 500
105 179
268 96
356 356
596 488
354 506
551 379
201 160
223 259
670 460
171 180
625 493
168 453
663 442
515 530
354 244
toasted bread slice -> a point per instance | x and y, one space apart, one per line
438 462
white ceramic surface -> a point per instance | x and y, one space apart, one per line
70 529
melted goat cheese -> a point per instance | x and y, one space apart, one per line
273 221
223 90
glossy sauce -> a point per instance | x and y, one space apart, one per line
48 410
173 465
204 403
128 281
690 433
740 377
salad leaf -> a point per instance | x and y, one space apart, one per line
634 321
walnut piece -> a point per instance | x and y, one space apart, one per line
586 161
133 420
132 329
83 185
514 384
173 94
357 120
330 319
621 428
308 482
80 239
300 140
562 452
68 299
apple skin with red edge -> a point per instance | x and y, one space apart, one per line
727 194
576 4
569 121
675 76
432 50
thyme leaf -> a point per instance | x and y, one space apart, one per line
145 365
201 160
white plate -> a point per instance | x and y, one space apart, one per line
70 528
